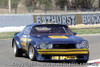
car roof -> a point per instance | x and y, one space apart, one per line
33 24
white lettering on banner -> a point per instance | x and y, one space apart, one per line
69 19
59 19
38 18
84 19
53 19
64 19
48 18
91 19
73 19
43 19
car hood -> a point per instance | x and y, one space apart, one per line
57 38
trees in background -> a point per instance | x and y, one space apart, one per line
61 3
87 4
78 4
14 4
31 5
3 3
46 3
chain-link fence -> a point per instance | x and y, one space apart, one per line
48 6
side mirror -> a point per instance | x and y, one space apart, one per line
74 33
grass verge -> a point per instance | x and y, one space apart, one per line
87 31
6 35
9 35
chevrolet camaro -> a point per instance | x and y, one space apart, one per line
45 42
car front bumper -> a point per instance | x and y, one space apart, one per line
63 54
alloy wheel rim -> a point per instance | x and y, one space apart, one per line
31 52
15 49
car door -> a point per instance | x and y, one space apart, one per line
25 37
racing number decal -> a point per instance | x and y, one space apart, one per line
24 42
64 57
68 57
55 57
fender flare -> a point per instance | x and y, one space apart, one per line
31 43
17 43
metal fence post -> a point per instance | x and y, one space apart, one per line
9 3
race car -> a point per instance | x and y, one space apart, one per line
45 42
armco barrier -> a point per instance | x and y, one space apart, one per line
15 20
12 29
11 23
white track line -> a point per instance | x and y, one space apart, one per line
92 61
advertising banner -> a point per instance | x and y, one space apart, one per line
69 19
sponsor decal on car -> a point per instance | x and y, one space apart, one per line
55 37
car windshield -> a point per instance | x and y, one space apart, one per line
51 29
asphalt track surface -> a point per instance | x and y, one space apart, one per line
7 58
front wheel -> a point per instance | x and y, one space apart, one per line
82 61
31 53
17 52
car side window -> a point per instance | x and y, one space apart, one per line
27 30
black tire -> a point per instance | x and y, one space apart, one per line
81 61
17 52
31 53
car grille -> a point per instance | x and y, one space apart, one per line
63 46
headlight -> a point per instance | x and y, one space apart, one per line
84 44
78 46
49 46
43 45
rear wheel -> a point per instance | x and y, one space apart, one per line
31 53
17 52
